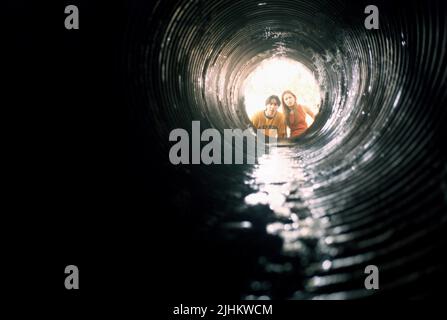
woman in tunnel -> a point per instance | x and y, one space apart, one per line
295 114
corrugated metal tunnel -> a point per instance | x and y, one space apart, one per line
366 184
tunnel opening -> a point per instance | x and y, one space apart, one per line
202 73
274 76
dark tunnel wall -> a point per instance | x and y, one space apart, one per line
373 162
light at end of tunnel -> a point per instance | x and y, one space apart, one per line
274 76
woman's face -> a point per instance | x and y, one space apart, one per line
289 99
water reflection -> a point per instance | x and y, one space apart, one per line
278 181
272 178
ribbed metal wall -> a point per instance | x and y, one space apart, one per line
368 180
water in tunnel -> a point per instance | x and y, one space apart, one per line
365 185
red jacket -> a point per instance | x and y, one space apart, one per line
297 121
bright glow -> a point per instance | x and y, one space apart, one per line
274 76
270 178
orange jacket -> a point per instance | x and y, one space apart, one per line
260 121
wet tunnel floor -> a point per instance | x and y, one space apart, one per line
259 240
253 232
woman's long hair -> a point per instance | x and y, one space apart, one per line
285 107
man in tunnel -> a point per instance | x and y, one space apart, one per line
270 120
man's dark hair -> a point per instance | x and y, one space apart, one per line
273 97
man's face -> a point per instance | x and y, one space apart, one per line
271 108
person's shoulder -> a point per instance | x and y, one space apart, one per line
281 115
257 114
